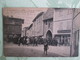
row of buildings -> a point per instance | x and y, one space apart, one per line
54 23
59 23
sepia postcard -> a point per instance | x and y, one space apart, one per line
41 32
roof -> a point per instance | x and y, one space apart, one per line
25 28
30 26
38 16
13 18
50 19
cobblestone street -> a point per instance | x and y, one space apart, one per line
35 51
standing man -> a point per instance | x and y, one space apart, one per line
46 47
19 41
33 41
36 40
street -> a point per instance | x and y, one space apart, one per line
35 51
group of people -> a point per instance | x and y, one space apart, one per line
27 41
31 40
34 41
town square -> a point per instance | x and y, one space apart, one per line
41 32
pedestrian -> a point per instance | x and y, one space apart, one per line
28 41
23 41
15 38
36 40
19 41
45 47
33 41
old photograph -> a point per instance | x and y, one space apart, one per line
41 32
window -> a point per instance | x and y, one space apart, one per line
49 25
46 22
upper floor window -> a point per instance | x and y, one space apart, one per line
46 22
49 25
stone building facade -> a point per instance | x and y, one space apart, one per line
24 31
29 32
62 25
57 23
48 23
76 32
12 26
38 25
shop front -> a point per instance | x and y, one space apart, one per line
63 37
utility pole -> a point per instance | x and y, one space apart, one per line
72 41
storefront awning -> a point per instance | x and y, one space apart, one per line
62 35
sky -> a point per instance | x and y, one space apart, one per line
28 14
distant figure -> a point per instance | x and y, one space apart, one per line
40 40
55 42
28 41
19 41
24 41
15 37
33 41
36 39
45 48
10 38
